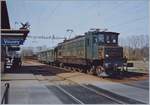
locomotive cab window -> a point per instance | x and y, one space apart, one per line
111 39
107 39
100 39
114 39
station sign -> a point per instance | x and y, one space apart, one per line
11 42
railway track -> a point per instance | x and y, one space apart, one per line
72 92
85 94
81 94
104 95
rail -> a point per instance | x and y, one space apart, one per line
6 94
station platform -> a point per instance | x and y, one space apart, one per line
130 92
29 88
25 89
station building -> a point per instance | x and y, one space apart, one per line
11 39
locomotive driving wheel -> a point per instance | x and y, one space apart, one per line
80 70
99 70
91 71
61 65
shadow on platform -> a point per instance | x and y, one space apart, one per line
36 70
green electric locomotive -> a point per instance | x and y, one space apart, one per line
95 52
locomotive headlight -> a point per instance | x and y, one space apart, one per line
107 55
107 65
116 65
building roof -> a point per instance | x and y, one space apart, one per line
10 36
4 16
14 33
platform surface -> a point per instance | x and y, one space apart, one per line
131 92
25 91
17 77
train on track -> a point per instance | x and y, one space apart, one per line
95 52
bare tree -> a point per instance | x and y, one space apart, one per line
136 46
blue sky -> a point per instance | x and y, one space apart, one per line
47 17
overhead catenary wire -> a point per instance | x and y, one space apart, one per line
117 25
130 21
94 6
55 8
45 37
116 6
127 22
